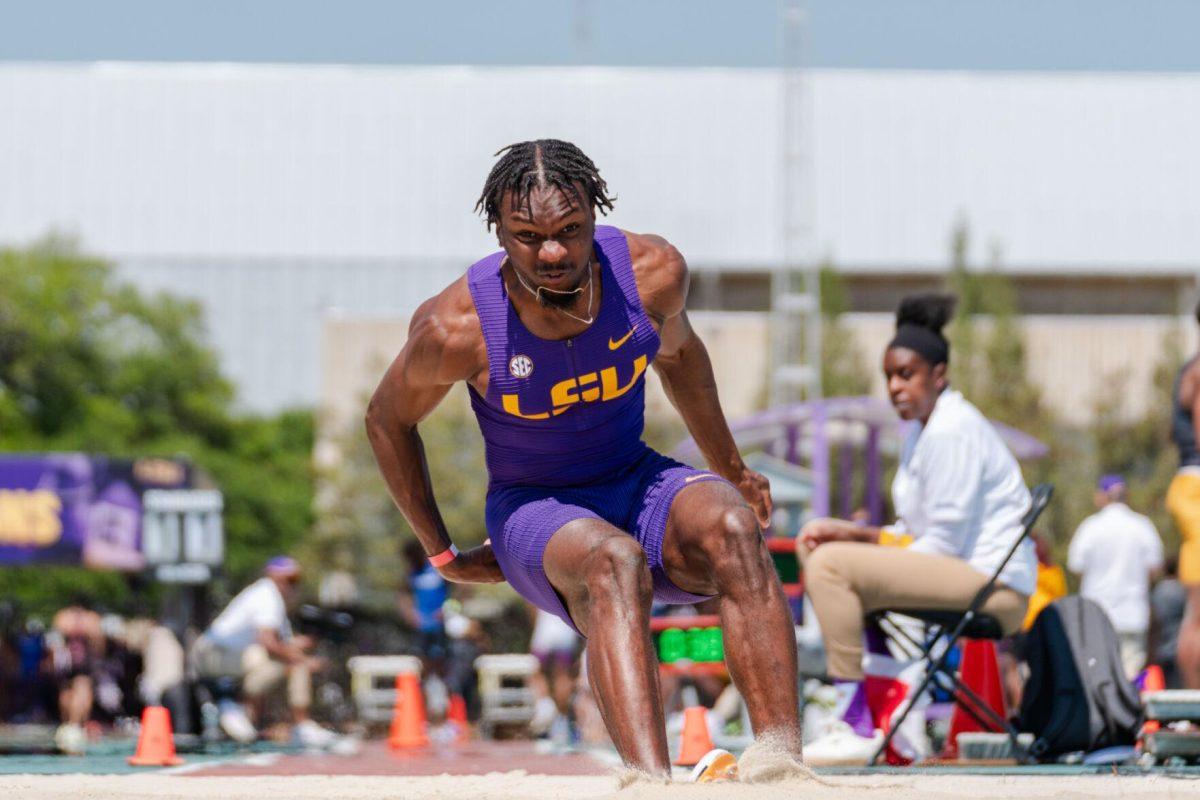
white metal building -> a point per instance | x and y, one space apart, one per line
278 194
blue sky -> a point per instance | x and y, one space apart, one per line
1143 35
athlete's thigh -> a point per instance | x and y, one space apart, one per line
564 561
698 512
521 523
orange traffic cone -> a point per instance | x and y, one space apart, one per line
408 716
980 671
695 743
156 743
1154 681
456 715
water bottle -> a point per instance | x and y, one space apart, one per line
672 646
696 649
716 646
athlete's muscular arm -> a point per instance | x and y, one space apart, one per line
685 369
445 345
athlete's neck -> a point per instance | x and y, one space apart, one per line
549 321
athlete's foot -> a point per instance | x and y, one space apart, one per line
717 765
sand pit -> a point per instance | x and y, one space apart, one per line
521 786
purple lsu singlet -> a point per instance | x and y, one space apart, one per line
562 425
567 412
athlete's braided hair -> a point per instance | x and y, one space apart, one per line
542 162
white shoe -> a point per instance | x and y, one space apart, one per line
841 746
717 765
345 746
236 724
544 713
310 734
71 739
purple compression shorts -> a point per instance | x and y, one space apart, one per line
521 520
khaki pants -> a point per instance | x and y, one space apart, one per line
846 580
163 662
258 672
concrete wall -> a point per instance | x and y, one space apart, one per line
1073 359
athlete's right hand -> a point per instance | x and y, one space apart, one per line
477 565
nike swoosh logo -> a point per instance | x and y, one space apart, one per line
614 345
698 477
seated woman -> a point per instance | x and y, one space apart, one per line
959 496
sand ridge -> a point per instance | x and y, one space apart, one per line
518 785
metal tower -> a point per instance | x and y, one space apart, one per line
795 282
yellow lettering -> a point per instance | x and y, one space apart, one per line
561 394
30 517
512 404
589 395
571 391
46 524
609 380
12 527
158 470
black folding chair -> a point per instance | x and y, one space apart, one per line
949 627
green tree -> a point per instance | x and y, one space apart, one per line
359 529
965 285
988 361
989 365
89 364
1137 448
843 366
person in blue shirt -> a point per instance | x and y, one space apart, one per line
422 606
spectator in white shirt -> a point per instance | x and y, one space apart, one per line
252 641
960 499
1118 554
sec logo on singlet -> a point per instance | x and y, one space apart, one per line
520 366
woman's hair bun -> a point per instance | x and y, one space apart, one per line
931 311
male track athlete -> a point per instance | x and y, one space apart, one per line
553 335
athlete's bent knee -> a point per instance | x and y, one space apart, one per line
735 538
736 551
617 567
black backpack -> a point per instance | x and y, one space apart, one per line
1077 696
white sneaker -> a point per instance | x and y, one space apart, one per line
71 739
544 713
310 734
841 746
345 746
236 724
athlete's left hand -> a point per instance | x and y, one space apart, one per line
477 565
756 489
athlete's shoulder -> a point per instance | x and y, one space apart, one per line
445 338
660 271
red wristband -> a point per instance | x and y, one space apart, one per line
445 557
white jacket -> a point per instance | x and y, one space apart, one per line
959 492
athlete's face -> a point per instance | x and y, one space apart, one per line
549 241
913 383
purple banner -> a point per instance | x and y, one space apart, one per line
71 508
